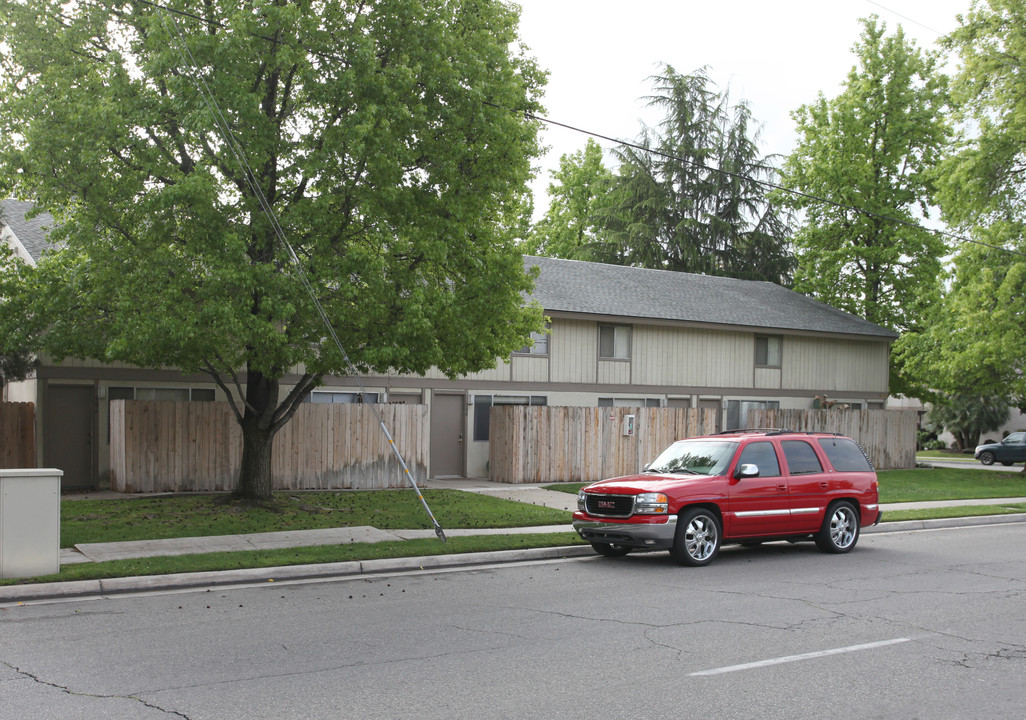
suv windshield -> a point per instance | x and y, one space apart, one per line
698 457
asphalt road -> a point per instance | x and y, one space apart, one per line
928 624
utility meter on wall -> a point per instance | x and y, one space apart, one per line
628 425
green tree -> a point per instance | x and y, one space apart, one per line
16 360
968 416
691 196
870 152
371 131
975 341
577 197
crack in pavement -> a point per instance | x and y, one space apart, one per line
68 691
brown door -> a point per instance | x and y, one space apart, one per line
68 433
711 405
447 436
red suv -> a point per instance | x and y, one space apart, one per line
744 486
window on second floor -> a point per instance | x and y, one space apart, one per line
614 342
539 343
767 350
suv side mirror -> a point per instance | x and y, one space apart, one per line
747 471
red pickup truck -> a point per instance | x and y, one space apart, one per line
743 486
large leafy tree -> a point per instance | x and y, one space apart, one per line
975 342
578 195
372 131
690 195
870 152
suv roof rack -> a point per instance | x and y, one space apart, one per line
768 431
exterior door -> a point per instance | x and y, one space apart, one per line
447 441
711 405
759 505
69 434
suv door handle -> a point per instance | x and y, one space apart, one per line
782 487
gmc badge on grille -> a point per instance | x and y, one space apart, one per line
606 504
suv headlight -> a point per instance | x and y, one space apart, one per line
580 500
651 504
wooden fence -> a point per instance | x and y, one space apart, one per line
17 435
583 444
887 436
197 446
558 444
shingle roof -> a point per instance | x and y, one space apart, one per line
30 233
573 286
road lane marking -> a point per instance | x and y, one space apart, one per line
796 658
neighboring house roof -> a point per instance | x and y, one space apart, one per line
31 234
573 286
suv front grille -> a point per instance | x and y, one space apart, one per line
609 505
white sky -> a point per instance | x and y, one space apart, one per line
776 54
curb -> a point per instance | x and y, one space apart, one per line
941 523
13 594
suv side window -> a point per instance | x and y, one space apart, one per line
845 455
801 458
763 455
1015 439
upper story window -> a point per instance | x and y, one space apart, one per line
614 342
767 350
539 343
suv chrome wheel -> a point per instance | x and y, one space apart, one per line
697 541
840 529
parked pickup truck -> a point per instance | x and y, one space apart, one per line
744 486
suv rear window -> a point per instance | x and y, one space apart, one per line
845 455
801 458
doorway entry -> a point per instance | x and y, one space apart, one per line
68 434
447 441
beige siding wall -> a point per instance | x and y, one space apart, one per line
614 372
767 378
664 355
834 365
528 368
573 349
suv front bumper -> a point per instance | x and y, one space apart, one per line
654 535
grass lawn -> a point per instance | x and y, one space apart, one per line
171 516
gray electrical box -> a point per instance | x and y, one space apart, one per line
30 522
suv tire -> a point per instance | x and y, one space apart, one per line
697 539
840 529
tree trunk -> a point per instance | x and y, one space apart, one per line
255 482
